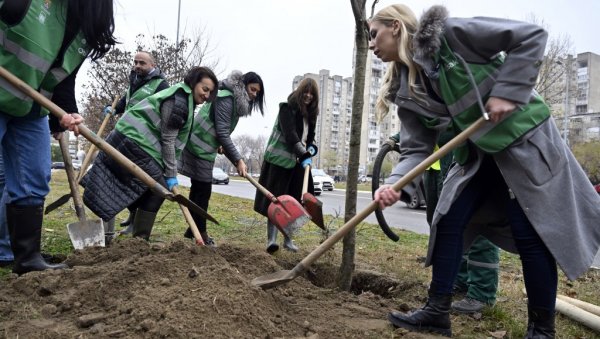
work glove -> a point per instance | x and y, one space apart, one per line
306 162
171 182
312 149
108 110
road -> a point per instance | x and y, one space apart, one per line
398 216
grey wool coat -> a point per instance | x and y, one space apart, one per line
539 169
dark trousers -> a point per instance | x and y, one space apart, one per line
149 202
200 193
539 266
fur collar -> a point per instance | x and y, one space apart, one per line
427 38
235 84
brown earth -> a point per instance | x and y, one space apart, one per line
154 290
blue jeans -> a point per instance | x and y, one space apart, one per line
6 253
539 266
26 152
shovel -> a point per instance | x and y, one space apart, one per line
285 212
107 148
190 221
86 162
281 277
313 206
84 233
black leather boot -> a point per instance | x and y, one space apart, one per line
143 223
541 323
129 219
272 246
433 317
25 228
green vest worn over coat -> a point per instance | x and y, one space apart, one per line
203 142
458 92
29 50
278 151
142 93
142 123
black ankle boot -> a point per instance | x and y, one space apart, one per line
129 219
25 228
433 317
143 223
541 323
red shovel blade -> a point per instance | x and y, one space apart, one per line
314 207
287 214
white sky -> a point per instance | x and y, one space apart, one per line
280 39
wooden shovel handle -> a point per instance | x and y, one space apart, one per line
93 138
261 188
305 182
190 220
64 148
92 150
408 177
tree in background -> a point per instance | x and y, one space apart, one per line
252 149
588 156
109 76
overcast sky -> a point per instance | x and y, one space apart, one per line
280 39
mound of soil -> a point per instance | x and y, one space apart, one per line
154 290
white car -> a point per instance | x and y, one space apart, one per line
321 181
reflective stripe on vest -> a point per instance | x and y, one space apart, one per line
461 100
29 48
203 142
148 89
142 123
278 152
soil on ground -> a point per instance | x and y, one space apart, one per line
178 290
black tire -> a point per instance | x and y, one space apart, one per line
377 181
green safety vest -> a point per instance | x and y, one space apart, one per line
203 142
278 152
461 99
148 89
29 50
142 123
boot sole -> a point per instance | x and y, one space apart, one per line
415 328
272 248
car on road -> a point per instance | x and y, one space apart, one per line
321 181
57 165
219 176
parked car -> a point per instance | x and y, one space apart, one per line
321 181
219 176
363 179
57 165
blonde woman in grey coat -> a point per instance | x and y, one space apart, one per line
517 166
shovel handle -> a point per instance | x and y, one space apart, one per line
64 148
92 150
261 188
89 135
408 177
305 182
190 220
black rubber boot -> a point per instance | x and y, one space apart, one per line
143 223
129 219
25 228
272 246
541 323
433 317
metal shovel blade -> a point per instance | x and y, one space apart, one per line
287 214
86 233
314 207
57 203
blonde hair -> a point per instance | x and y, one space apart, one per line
408 27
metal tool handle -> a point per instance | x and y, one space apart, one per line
261 188
64 148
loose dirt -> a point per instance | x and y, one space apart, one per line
177 290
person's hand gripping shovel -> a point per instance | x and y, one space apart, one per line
104 146
86 163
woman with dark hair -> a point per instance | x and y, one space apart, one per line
289 151
152 134
238 96
44 43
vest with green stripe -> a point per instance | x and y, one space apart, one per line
461 99
142 123
148 89
278 152
203 142
29 50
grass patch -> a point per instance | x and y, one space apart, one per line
402 260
